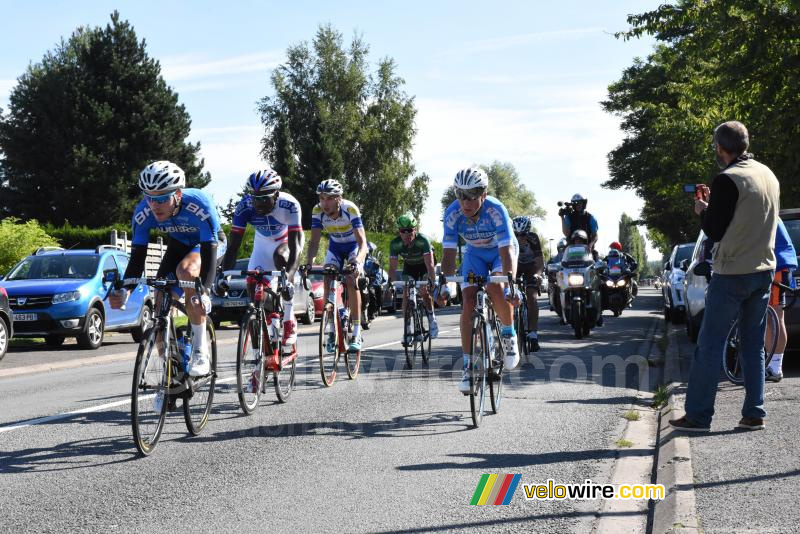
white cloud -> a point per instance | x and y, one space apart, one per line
5 91
190 67
515 41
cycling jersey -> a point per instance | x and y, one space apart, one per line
490 231
196 221
530 249
342 229
276 225
785 254
414 252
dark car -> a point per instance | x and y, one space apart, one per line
6 323
307 304
791 219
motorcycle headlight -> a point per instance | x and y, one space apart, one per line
610 283
69 296
621 283
575 279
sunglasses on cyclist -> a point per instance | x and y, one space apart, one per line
470 194
405 230
263 198
159 199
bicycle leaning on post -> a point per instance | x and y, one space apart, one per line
334 325
259 348
416 330
731 363
486 352
161 373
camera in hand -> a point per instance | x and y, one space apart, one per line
565 208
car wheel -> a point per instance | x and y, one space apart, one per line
4 340
145 321
54 340
308 316
93 330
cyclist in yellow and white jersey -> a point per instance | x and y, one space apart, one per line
341 219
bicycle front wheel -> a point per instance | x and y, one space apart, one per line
328 345
250 364
352 361
479 355
496 363
200 393
425 329
284 379
771 335
409 344
731 363
151 378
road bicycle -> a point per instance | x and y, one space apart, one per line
334 326
259 351
416 326
731 357
486 351
161 372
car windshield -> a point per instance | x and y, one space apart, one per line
793 228
684 253
51 267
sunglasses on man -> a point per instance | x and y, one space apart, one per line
159 199
406 230
470 194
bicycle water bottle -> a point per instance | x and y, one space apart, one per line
491 336
185 344
274 326
343 313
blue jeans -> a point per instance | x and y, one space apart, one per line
730 296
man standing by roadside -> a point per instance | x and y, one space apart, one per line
739 213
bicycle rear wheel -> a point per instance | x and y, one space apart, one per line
250 364
409 343
730 356
521 316
479 354
284 379
352 360
328 332
151 377
771 335
200 392
496 363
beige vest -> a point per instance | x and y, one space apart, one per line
748 245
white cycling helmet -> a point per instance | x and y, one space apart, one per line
161 176
471 178
522 224
264 181
330 187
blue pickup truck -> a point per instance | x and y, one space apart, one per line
56 293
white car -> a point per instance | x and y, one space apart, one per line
672 289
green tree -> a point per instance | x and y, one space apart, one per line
18 240
83 122
632 241
716 60
331 118
505 185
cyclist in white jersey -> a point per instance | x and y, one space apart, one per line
278 241
341 219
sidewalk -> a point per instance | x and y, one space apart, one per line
729 480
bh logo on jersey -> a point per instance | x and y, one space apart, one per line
197 210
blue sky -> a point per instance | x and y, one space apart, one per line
517 81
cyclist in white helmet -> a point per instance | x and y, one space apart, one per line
347 244
190 218
529 266
278 240
491 248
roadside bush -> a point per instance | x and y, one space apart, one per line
84 237
18 240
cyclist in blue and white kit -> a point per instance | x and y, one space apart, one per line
278 241
484 224
190 219
341 219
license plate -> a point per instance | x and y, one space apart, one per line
25 316
235 303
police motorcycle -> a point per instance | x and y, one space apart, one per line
580 285
616 283
372 289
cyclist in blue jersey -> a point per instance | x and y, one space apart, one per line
491 248
347 244
278 240
190 219
786 264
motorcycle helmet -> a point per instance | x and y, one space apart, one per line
616 245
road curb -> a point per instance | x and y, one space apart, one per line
677 512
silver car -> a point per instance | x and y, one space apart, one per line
672 288
695 284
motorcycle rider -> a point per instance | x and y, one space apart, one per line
628 260
554 292
579 237
374 273
580 219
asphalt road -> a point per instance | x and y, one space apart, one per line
391 451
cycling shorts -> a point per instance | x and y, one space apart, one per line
175 254
777 295
340 253
527 271
417 272
263 256
484 261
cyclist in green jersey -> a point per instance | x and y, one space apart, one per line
417 254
